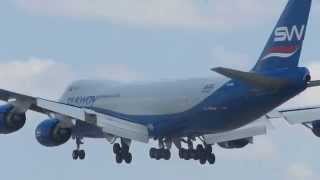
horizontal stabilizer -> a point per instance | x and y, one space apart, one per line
252 78
314 83
301 115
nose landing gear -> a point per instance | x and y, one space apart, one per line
78 153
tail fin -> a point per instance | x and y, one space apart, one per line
284 46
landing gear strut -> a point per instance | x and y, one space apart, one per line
78 153
122 152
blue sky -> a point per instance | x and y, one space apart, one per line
45 44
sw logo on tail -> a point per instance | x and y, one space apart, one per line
284 33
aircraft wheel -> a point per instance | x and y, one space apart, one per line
125 148
128 158
82 154
152 153
211 158
200 148
202 160
116 148
166 154
193 154
75 154
119 158
158 155
180 154
187 155
197 156
208 149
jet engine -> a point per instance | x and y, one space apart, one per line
10 121
49 133
235 144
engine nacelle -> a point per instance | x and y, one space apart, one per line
48 133
316 128
235 144
9 120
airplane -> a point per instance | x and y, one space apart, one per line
192 115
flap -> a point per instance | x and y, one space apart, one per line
256 128
235 134
122 128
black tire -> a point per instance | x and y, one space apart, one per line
211 159
202 161
187 155
119 159
116 148
152 153
197 155
193 154
75 155
181 153
125 148
82 154
167 154
208 149
158 154
200 148
128 159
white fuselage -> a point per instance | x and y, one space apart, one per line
155 98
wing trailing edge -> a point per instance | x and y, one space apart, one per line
259 127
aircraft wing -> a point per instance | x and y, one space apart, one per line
303 115
109 124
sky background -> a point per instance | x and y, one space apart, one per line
46 44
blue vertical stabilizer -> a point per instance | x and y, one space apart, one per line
284 46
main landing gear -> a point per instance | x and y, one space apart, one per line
163 152
202 153
122 152
78 153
